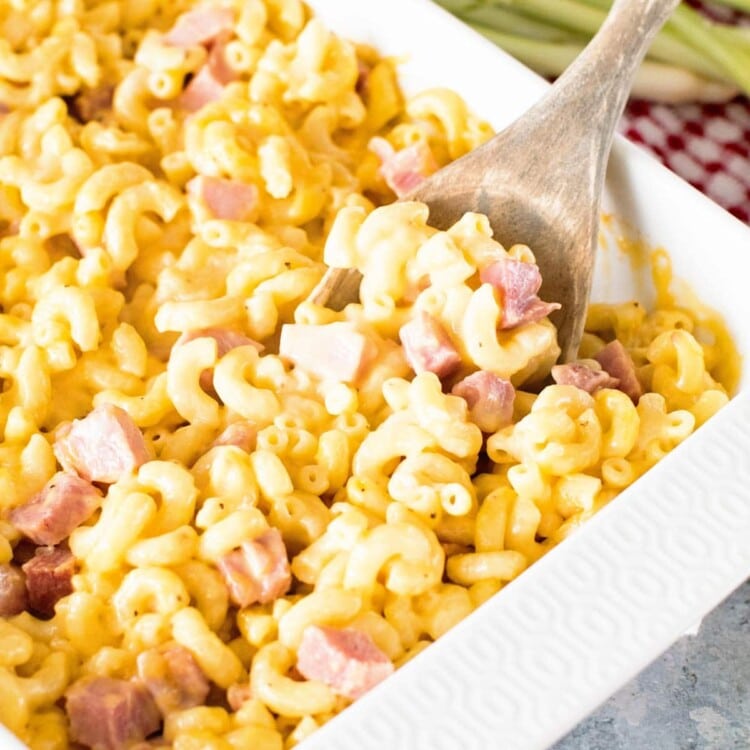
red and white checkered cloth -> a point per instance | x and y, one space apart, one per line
708 145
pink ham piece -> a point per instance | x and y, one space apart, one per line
518 284
490 399
614 358
110 714
203 89
428 347
217 63
200 26
345 659
335 351
225 339
103 446
63 505
225 199
583 376
12 590
49 577
207 85
258 571
173 678
242 434
403 170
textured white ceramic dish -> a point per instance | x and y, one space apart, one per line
532 662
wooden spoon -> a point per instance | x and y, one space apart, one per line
540 180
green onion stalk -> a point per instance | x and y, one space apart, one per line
692 59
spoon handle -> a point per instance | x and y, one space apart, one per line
555 158
617 50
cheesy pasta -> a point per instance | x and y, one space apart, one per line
227 511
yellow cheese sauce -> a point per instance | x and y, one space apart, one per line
723 360
669 293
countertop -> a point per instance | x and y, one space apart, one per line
695 697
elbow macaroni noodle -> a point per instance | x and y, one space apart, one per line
395 521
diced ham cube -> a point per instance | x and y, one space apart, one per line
238 694
403 170
614 358
258 571
200 26
202 89
103 446
335 351
24 551
242 434
217 63
64 504
225 339
110 714
173 678
49 577
428 347
518 284
490 399
207 85
584 376
92 104
345 659
225 199
12 590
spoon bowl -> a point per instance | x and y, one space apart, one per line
540 180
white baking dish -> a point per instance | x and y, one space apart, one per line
533 661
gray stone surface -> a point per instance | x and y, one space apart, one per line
695 697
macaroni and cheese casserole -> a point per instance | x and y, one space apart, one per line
227 511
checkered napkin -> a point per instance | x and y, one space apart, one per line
708 145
